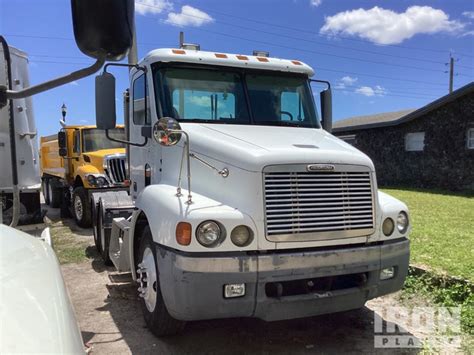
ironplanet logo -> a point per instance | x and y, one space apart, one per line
320 167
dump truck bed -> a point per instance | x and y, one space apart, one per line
51 162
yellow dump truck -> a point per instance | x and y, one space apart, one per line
76 162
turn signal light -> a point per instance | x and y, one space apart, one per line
183 233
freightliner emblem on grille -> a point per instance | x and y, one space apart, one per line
320 167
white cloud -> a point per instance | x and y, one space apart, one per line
189 16
377 90
469 14
83 121
345 81
74 83
384 26
315 3
468 33
153 7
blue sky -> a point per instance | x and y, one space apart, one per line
379 56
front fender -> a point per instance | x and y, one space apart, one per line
164 210
84 170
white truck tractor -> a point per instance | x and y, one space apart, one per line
241 203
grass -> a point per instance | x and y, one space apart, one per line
443 293
69 247
442 238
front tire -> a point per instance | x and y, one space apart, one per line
157 317
81 207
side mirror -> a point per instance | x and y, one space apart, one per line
105 114
62 139
103 27
326 109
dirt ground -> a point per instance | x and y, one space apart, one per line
109 315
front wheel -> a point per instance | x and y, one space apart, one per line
81 207
157 318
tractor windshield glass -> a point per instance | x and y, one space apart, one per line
94 139
222 95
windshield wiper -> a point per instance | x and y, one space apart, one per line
200 120
282 123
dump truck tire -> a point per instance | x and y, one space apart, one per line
54 193
81 207
104 237
157 318
45 188
95 226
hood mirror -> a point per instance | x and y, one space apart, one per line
164 131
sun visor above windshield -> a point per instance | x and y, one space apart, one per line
228 60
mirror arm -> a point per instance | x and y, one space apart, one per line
125 142
224 172
321 81
188 165
51 84
136 66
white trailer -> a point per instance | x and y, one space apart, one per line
242 204
25 146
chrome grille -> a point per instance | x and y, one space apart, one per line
318 205
116 169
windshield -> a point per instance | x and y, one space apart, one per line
235 97
94 139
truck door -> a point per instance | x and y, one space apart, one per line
76 152
140 117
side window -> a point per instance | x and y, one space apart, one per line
291 107
139 102
470 138
415 142
77 142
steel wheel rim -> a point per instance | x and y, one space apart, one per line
148 280
78 210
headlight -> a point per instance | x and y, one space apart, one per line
101 181
402 222
241 236
388 226
91 180
209 233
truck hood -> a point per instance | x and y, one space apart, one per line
100 154
254 147
35 307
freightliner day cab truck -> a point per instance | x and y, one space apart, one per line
241 203
77 161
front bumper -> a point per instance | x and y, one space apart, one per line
192 286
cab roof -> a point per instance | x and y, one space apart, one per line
88 126
226 59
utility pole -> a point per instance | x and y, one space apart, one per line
181 39
133 52
451 72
